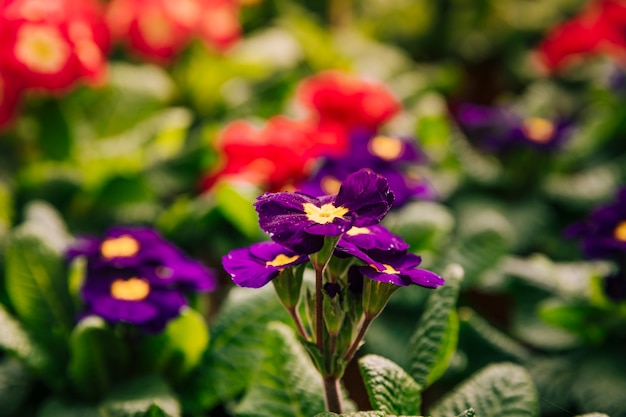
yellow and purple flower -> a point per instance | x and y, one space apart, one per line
301 222
257 265
134 276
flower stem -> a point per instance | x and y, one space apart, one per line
296 319
319 312
357 341
332 394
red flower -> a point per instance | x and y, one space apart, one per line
159 29
51 44
600 28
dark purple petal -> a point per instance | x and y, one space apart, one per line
122 311
367 196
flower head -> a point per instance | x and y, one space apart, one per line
300 222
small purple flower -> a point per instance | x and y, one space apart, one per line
359 240
300 222
257 265
500 128
603 233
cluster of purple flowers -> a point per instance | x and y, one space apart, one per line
603 235
298 224
134 276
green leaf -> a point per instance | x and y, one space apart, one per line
237 337
147 396
434 342
601 382
56 407
179 349
236 204
502 389
15 385
593 415
98 358
286 382
389 387
358 414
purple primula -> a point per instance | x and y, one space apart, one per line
603 233
301 222
500 128
257 265
134 276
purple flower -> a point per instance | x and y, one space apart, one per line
603 233
499 128
144 250
372 239
257 265
300 222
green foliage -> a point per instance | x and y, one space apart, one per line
434 341
235 203
286 382
389 387
501 389
15 385
147 396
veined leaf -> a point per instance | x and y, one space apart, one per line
435 339
56 407
15 385
286 382
147 396
237 337
501 389
389 387
358 414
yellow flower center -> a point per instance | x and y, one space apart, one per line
330 185
388 269
281 259
41 48
156 29
324 214
132 289
124 246
385 147
538 129
620 231
355 231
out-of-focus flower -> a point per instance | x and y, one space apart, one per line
603 232
257 265
159 29
499 128
10 93
135 276
300 222
52 44
394 158
599 28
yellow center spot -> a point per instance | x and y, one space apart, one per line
41 48
281 259
133 289
119 247
156 29
620 231
538 129
355 231
325 214
385 147
388 269
330 185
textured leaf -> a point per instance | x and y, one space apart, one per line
434 341
145 396
501 389
98 357
237 337
59 408
389 387
286 382
593 415
15 385
235 204
358 414
601 382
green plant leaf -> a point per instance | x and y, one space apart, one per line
432 345
286 382
15 385
98 358
235 203
389 387
179 349
503 389
56 407
358 414
237 337
147 396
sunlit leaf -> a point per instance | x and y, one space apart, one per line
141 397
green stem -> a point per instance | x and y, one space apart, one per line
357 341
296 319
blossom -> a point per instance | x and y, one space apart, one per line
157 30
499 128
300 222
52 44
603 232
257 265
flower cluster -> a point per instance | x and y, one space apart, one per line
358 263
501 129
603 236
134 276
159 29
